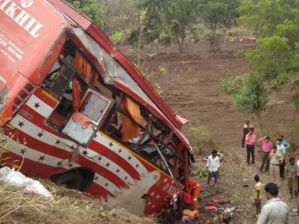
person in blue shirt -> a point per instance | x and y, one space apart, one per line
285 143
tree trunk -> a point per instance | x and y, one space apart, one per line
258 116
213 28
139 44
180 45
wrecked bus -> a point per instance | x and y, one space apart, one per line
80 112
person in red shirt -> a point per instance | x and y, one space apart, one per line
194 189
266 147
250 142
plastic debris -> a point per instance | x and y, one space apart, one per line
230 209
15 178
212 208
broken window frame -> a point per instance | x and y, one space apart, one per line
170 168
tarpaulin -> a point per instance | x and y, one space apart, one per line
130 129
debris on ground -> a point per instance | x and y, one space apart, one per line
17 179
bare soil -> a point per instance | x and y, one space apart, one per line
189 87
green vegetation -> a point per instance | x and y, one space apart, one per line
162 70
217 13
199 174
201 138
90 8
248 93
119 37
274 63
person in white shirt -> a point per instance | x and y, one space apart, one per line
275 211
213 165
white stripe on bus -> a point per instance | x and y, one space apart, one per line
49 160
50 139
115 147
39 106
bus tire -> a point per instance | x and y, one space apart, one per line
72 179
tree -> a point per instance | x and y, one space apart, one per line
273 60
141 27
276 22
270 17
90 8
217 13
170 18
119 17
178 16
248 93
153 23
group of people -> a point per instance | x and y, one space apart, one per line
273 160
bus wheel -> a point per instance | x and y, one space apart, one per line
71 180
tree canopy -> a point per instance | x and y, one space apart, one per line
90 8
218 13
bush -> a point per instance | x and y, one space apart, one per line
202 138
118 37
208 36
199 173
233 33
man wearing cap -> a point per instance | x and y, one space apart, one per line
213 165
266 147
246 127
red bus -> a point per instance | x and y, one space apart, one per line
76 110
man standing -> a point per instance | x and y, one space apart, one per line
266 147
274 211
274 165
292 171
282 151
250 141
246 127
213 165
284 142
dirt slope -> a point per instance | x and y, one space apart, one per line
189 87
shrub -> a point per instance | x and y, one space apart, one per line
118 37
199 173
233 33
202 138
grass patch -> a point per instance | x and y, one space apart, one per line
66 206
199 174
201 138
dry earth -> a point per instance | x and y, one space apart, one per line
190 88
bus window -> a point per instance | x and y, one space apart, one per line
83 125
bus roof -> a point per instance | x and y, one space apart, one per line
89 27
